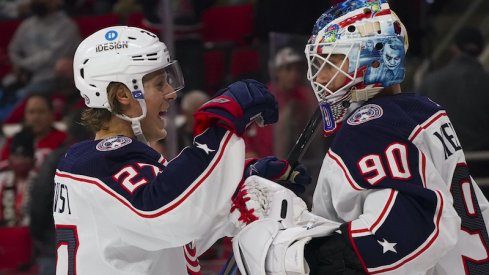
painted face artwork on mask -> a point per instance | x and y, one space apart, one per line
392 57
388 67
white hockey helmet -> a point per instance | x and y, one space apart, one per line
374 40
121 54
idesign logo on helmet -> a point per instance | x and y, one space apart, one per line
112 46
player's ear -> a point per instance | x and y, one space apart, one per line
123 95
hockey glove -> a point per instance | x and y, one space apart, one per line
280 171
237 106
267 247
250 203
333 255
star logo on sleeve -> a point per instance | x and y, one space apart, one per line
204 147
387 246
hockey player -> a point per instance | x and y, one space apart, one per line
120 207
395 177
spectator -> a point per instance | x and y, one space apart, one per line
191 101
296 104
15 180
39 42
42 193
14 9
39 115
461 88
274 16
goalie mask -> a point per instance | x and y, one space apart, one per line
370 41
122 54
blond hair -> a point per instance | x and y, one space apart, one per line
96 119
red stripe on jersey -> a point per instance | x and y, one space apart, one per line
190 253
164 210
377 222
353 184
355 248
356 231
163 161
191 256
384 212
423 169
426 124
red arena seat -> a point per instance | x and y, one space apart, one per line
15 247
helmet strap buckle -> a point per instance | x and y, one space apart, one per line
359 95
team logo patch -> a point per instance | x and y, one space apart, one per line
137 94
365 113
113 143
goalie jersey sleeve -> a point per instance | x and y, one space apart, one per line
120 208
396 173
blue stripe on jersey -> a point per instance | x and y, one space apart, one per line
156 189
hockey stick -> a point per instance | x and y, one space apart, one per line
295 154
302 143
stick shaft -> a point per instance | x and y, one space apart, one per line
305 138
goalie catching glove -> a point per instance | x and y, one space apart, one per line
266 247
280 171
237 106
280 236
258 198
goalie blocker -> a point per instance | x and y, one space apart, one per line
291 240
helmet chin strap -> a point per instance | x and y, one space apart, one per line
138 132
359 95
136 122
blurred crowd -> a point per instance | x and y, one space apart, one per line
40 107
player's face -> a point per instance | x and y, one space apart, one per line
392 58
158 94
330 77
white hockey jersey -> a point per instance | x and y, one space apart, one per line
120 209
396 173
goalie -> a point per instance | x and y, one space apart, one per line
395 178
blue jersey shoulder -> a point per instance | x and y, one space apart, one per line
101 158
398 114
378 132
134 170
